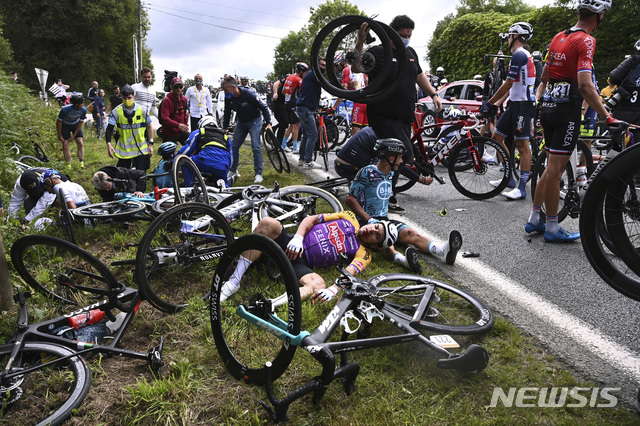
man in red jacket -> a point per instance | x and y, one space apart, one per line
174 114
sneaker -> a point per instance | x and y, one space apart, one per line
286 149
453 245
296 150
540 228
562 236
258 179
489 159
496 183
82 164
312 165
413 259
228 290
515 194
300 163
395 208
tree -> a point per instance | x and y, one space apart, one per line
507 7
6 53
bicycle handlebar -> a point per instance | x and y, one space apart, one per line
476 124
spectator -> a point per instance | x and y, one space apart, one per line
114 100
174 114
608 91
199 99
248 107
28 192
93 91
352 81
280 112
98 109
14 77
132 148
69 127
61 96
145 95
109 180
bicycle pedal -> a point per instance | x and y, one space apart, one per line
155 358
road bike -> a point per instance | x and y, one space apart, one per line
275 153
44 373
474 161
39 156
258 329
328 134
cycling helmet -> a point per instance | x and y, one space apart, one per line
389 146
537 55
478 77
595 6
390 233
301 66
77 98
637 45
48 174
126 90
523 29
338 57
207 120
444 81
167 149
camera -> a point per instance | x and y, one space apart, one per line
618 94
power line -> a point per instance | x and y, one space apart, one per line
213 25
247 10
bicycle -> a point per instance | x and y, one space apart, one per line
322 144
275 153
474 160
258 329
31 160
44 374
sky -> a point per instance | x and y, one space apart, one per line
212 38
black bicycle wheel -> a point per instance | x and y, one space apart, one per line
243 346
333 133
45 396
62 270
404 183
187 191
291 204
30 160
110 209
323 148
344 131
178 254
475 183
40 153
451 310
66 219
610 196
270 145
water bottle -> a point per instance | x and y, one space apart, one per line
86 318
581 179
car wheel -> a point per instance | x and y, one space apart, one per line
429 118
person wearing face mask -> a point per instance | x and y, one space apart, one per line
133 148
199 99
392 116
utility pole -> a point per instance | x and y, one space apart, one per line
139 37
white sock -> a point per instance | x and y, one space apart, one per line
435 248
243 265
401 259
534 217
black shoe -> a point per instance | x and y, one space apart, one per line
453 245
413 259
395 208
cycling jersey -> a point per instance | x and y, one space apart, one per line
352 80
627 75
292 88
70 116
334 234
72 191
372 189
522 71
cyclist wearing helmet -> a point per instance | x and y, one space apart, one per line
291 89
28 192
319 241
167 150
627 77
566 81
69 127
369 197
210 149
353 81
517 118
73 193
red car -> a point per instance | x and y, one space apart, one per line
465 95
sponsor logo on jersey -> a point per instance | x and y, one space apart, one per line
336 237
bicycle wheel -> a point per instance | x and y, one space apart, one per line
344 131
270 144
243 346
178 254
61 270
292 204
165 203
197 187
30 160
46 395
473 182
323 147
333 133
451 310
111 209
67 222
40 154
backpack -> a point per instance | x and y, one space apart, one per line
175 107
214 135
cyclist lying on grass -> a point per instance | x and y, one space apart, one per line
319 241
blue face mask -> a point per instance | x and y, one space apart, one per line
228 95
405 41
198 82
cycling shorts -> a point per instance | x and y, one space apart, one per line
516 120
561 125
359 115
292 116
300 265
67 131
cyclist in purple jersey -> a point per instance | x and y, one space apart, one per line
319 241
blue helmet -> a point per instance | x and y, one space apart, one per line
167 149
48 174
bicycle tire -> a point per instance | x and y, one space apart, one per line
244 347
62 270
472 183
344 131
453 311
30 160
272 151
40 154
198 187
49 394
308 196
323 148
66 218
174 262
404 183
165 203
333 133
613 269
620 215
111 209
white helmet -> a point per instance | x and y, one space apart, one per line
390 233
523 29
595 6
637 45
444 81
338 57
207 120
478 77
439 69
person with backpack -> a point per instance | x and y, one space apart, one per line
167 150
210 149
174 114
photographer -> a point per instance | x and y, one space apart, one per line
626 98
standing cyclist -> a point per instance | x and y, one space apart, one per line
627 77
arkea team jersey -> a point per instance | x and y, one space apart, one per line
522 71
334 234
291 88
372 189
571 52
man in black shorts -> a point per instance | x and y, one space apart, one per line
392 116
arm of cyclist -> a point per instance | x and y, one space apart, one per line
590 95
425 85
295 248
355 207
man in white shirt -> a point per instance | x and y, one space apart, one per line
145 95
199 99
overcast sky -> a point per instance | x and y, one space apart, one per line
213 38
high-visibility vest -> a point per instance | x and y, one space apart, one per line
132 142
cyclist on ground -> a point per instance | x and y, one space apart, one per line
210 149
291 90
73 193
28 192
627 77
126 180
566 81
369 196
517 118
315 245
69 127
166 150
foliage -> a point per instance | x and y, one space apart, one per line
6 53
509 7
75 40
296 46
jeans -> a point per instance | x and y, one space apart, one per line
99 128
309 133
240 134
